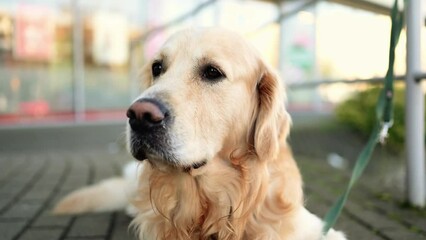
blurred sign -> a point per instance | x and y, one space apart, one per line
34 35
110 39
299 47
6 32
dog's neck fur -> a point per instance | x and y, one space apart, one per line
234 198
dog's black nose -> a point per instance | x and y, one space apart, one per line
146 113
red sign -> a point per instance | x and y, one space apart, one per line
34 33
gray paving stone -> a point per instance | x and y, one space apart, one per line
11 189
74 182
385 218
396 234
376 221
42 234
8 230
81 238
51 177
78 175
4 200
37 194
103 169
47 219
11 167
22 210
57 198
121 229
351 228
91 225
354 230
412 218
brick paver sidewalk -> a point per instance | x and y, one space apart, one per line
370 213
31 183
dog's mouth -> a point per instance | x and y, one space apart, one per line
159 151
196 165
151 147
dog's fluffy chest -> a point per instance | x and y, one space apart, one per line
217 203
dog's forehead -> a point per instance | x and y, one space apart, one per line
222 48
206 42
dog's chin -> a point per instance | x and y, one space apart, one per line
164 158
142 154
139 155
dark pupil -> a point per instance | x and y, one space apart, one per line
157 69
212 73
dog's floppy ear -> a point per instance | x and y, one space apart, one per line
272 121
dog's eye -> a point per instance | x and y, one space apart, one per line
157 69
212 73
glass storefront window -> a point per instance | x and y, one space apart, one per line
38 80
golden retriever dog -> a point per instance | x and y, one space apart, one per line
210 132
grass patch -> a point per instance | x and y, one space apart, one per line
359 113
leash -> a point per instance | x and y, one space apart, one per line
384 115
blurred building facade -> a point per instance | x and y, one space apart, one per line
326 40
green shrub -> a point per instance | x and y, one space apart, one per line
358 112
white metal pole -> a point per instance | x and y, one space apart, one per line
78 63
281 46
318 103
414 108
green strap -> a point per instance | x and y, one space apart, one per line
384 113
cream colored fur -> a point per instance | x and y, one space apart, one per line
250 187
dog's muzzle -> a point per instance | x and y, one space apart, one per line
148 120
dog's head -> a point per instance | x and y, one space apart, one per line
208 93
